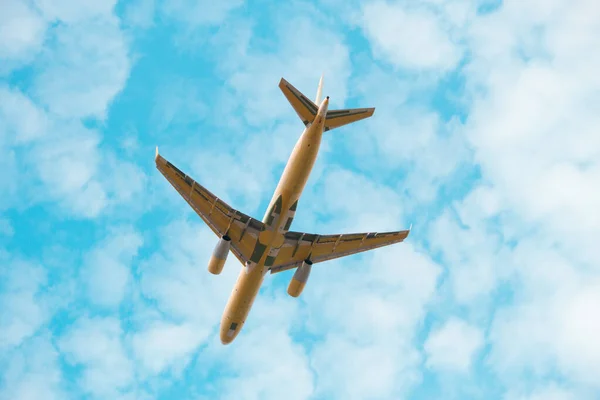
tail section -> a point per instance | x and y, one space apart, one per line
307 110
319 90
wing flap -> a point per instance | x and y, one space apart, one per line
299 246
221 218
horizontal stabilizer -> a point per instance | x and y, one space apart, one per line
304 107
337 118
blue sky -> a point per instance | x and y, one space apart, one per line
484 138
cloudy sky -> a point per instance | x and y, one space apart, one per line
485 138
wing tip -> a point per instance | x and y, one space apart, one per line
158 159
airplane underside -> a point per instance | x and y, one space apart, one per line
268 245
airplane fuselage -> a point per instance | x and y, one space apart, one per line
278 218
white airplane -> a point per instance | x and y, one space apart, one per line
270 245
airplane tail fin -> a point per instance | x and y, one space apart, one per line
319 90
307 110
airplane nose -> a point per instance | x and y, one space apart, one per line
225 340
228 330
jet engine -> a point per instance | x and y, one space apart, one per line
299 280
219 255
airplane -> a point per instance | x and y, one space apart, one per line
268 245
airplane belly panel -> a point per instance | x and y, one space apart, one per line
240 302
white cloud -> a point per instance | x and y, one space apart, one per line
452 346
84 69
422 149
518 127
369 312
532 96
69 13
22 32
531 127
417 141
352 210
251 96
284 365
163 345
192 300
471 251
406 144
140 13
67 165
125 183
253 74
365 308
458 13
173 275
33 372
106 270
373 372
76 174
23 312
550 391
554 308
22 121
96 345
412 38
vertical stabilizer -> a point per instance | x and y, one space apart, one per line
319 90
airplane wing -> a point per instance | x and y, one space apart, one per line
299 246
219 216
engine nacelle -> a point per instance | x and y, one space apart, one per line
219 255
299 280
